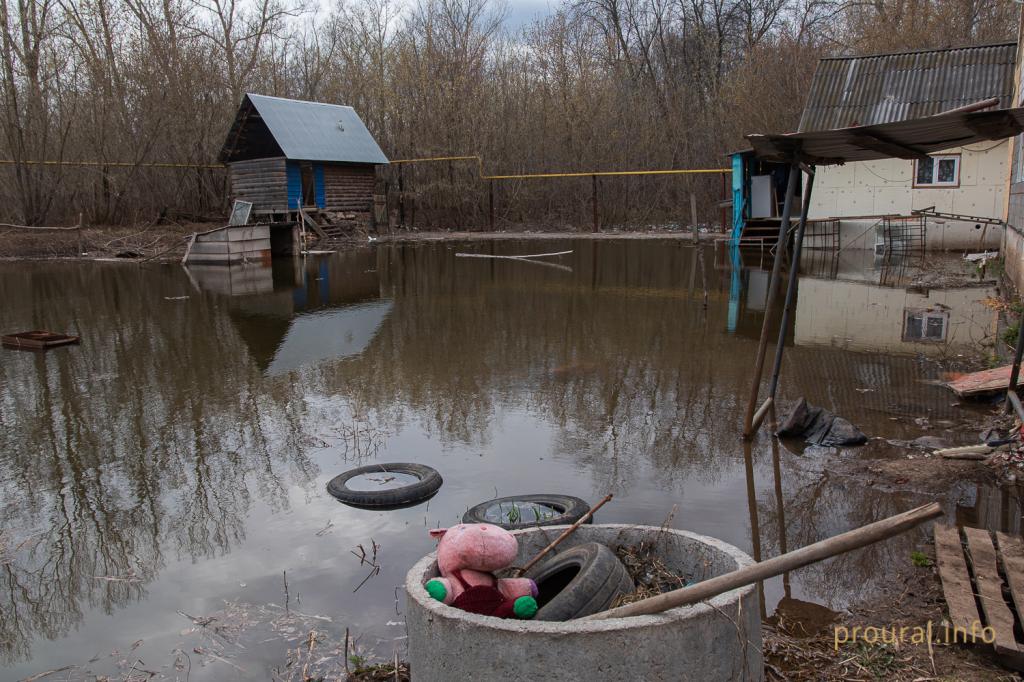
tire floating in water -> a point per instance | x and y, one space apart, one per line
579 582
528 511
427 483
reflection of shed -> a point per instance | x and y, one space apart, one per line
283 154
334 313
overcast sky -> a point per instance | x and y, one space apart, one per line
522 12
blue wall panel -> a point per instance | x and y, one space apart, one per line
318 184
294 185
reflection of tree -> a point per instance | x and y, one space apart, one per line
148 436
619 355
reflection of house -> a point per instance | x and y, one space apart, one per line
866 317
968 181
282 154
328 308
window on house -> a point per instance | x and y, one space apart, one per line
925 325
937 171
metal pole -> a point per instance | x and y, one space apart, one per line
1017 353
773 285
794 271
593 179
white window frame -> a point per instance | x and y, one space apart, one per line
925 316
935 169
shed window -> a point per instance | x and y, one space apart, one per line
925 325
937 171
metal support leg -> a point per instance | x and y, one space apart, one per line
794 271
773 285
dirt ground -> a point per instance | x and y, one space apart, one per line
807 648
165 241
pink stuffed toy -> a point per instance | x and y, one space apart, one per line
467 556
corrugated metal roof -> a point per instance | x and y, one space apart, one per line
907 139
852 91
314 131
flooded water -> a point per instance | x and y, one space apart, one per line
173 467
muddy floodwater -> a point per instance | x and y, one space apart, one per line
164 503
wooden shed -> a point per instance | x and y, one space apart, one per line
285 154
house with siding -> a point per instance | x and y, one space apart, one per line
965 188
1013 239
284 155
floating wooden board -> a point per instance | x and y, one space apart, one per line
38 340
980 383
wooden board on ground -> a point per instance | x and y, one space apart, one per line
990 588
980 383
1011 549
956 581
37 340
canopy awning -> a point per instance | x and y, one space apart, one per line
910 139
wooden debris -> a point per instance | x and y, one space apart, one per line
990 589
38 340
978 452
1011 549
981 383
956 581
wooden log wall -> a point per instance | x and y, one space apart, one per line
349 188
264 182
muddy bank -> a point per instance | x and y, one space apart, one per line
803 641
135 242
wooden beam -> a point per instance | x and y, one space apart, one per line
956 581
990 590
867 140
845 542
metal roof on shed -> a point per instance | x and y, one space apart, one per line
311 131
885 88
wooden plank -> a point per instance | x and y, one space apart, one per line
990 589
37 340
979 383
248 246
1011 549
956 581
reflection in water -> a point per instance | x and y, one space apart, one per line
178 457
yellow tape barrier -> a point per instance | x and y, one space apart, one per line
527 176
480 166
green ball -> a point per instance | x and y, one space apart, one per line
525 608
435 588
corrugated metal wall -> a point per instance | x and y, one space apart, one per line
876 89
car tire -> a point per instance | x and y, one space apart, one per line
579 582
428 484
571 509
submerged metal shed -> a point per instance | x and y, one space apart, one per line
283 154
885 88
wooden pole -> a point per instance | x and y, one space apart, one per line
693 217
794 271
1015 369
854 539
490 204
593 179
566 533
80 247
773 285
